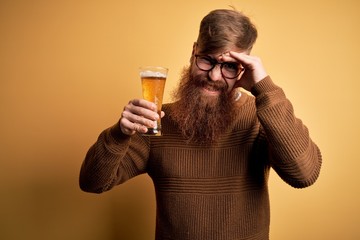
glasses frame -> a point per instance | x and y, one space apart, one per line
214 62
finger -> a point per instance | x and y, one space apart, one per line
139 128
249 62
143 103
126 126
244 59
162 114
226 57
136 109
130 128
137 119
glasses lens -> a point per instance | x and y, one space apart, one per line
230 70
204 63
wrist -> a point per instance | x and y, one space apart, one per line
117 133
264 85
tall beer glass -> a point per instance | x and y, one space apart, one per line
153 83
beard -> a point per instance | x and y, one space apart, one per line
201 118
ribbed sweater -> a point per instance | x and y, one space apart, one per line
217 191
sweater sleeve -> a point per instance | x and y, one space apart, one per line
113 159
294 156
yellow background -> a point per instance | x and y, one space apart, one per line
68 67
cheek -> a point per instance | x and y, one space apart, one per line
197 73
194 68
235 83
231 85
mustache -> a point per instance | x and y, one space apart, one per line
205 82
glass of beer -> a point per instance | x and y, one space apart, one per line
153 83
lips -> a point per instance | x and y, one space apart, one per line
214 87
211 88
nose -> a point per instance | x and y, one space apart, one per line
215 73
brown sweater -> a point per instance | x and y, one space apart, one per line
217 192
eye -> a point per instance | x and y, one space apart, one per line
229 66
206 60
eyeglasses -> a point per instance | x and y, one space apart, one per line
229 70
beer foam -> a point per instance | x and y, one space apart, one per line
152 74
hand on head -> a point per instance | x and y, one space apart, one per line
253 71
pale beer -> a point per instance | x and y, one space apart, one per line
153 84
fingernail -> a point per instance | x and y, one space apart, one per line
153 124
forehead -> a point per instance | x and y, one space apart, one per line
216 53
213 53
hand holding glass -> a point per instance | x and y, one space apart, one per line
153 84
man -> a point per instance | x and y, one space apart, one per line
210 168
